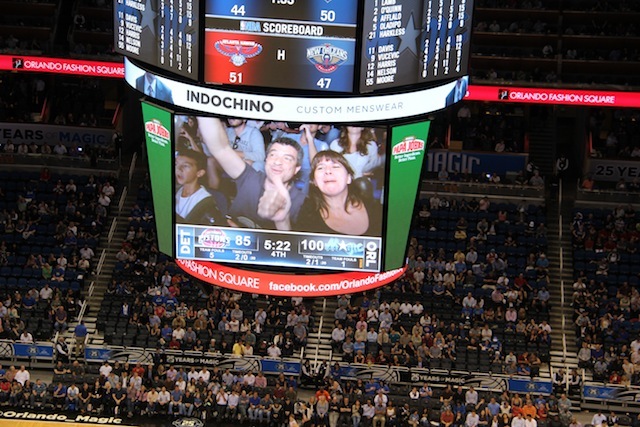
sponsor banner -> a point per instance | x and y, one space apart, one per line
9 350
76 67
131 355
20 133
530 386
407 158
590 98
275 367
157 130
290 285
292 108
613 170
434 377
235 364
475 162
38 351
611 393
27 415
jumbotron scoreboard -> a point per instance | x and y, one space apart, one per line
363 73
339 46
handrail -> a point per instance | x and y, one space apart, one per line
123 198
132 167
112 230
561 267
103 256
324 306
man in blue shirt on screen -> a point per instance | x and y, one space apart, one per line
264 199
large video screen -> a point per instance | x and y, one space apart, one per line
308 45
279 194
163 33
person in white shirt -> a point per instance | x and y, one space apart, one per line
598 419
164 397
205 374
46 292
473 419
26 337
105 369
178 333
518 421
529 421
193 374
22 375
274 351
249 379
406 308
417 309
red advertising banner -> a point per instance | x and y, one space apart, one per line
291 285
524 95
77 67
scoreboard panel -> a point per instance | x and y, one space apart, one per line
310 45
163 33
407 42
276 248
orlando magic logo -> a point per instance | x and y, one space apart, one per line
238 51
326 58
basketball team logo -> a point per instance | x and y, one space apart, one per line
326 58
238 51
17 63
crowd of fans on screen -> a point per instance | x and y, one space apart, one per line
50 227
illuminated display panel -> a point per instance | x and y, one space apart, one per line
258 199
407 42
163 33
295 44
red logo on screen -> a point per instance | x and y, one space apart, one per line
238 50
326 58
154 127
213 238
408 145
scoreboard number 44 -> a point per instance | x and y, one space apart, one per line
238 10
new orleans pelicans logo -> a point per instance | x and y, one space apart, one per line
326 58
238 51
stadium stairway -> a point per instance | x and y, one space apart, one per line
542 144
563 351
318 348
120 209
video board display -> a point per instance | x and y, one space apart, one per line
215 224
279 194
408 42
163 33
309 45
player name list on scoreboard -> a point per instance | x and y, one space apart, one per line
414 41
162 33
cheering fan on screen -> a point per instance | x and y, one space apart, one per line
264 199
333 204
